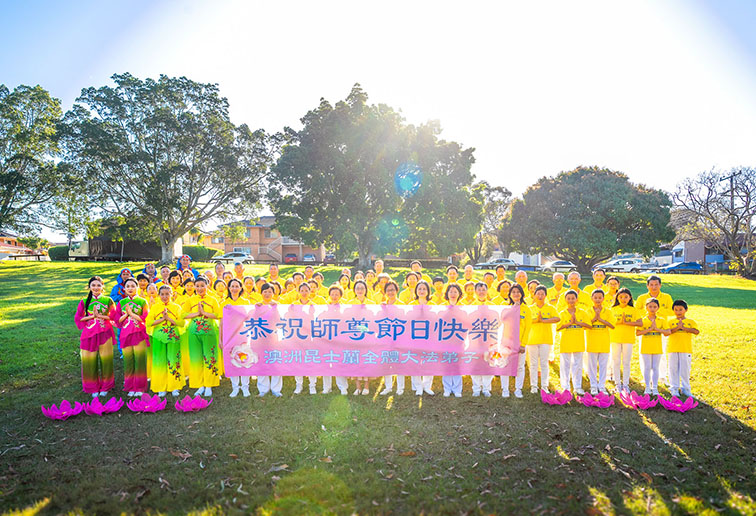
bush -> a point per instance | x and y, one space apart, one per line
199 253
59 253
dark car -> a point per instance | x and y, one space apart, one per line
681 268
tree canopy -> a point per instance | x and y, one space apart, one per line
586 216
359 179
166 151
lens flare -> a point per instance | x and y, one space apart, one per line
407 179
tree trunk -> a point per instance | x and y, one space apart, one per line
166 244
123 243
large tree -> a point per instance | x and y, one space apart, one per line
166 151
359 179
29 179
495 203
719 208
586 216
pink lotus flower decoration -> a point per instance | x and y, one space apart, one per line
147 403
636 401
677 405
64 411
599 400
96 408
558 398
192 404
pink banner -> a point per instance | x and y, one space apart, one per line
370 340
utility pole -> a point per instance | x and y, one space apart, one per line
731 178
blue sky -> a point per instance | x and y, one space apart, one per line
658 90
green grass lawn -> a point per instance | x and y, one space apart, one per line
371 454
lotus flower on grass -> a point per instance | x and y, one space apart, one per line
677 405
195 404
633 400
147 403
64 411
599 400
558 398
96 408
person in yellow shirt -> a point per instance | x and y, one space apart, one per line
379 286
202 313
610 293
221 289
335 297
653 284
273 272
315 296
174 280
517 298
417 268
439 297
584 300
481 294
391 297
292 293
452 276
235 297
598 282
219 270
322 291
573 321
239 271
680 348
303 298
503 288
521 278
469 297
250 290
653 326
501 274
554 293
188 292
488 279
309 271
370 279
622 337
408 294
379 268
152 294
453 383
360 296
423 383
266 384
164 323
597 342
422 294
142 282
468 274
540 338
532 284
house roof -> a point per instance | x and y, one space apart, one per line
265 221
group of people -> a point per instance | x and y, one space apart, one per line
166 324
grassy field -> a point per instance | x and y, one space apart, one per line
370 454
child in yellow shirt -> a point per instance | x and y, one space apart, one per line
680 348
651 330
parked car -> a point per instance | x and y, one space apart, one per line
559 266
620 265
290 258
508 264
233 257
309 258
330 258
681 268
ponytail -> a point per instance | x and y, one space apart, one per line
89 296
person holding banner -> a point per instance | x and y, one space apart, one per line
304 299
361 297
541 338
517 298
236 298
266 384
453 383
573 321
423 383
390 297
202 313
438 291
335 295
503 289
164 324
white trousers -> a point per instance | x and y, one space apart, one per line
312 381
388 381
341 383
519 379
679 371
235 381
622 354
266 384
601 360
571 368
481 383
538 354
452 384
420 383
651 365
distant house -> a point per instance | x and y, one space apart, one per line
9 244
264 242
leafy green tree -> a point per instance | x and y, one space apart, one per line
586 216
495 202
166 151
28 146
34 242
360 180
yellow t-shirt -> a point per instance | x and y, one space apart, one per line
525 321
438 299
298 301
541 332
468 301
318 300
590 288
407 295
665 304
583 302
597 338
553 295
622 333
240 301
498 300
681 341
253 298
355 301
651 343
288 297
397 302
573 336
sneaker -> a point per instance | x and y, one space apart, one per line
419 392
245 392
687 392
103 394
505 394
655 392
534 390
298 390
429 392
518 393
175 394
162 394
545 389
344 392
594 391
580 392
365 391
676 394
487 394
400 392
261 394
386 391
95 394
647 392
276 394
326 391
130 394
234 392
200 391
447 394
457 394
475 394
208 391
356 392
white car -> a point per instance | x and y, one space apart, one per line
508 264
621 265
559 266
233 257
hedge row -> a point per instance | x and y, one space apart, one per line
199 253
59 253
